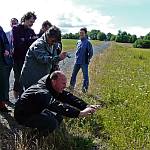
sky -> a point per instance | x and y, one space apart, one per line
132 16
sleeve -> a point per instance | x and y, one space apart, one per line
31 39
42 55
61 108
90 50
5 40
16 37
69 98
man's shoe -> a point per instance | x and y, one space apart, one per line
84 90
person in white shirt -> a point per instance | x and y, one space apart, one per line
13 22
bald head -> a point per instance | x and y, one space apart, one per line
58 81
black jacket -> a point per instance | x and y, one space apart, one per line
42 96
22 40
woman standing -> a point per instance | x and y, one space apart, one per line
5 65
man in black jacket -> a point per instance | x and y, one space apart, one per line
42 105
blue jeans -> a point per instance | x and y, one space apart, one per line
76 69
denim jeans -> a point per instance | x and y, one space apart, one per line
76 69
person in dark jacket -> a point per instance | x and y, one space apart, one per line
5 68
45 26
44 104
23 37
84 53
42 57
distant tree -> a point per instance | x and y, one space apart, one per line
113 37
101 36
93 34
142 43
147 37
133 38
108 36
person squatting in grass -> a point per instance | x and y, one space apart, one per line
44 104
84 53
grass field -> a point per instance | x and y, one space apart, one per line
70 44
121 78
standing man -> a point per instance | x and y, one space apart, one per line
44 104
84 53
13 23
23 37
4 70
45 26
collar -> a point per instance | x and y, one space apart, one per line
83 39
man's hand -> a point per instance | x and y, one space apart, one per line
63 55
87 111
95 106
6 53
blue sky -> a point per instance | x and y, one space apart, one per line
70 15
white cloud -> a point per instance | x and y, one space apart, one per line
63 13
139 31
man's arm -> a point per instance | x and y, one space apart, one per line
42 55
5 41
69 98
61 108
90 50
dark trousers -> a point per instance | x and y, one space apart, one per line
4 80
17 67
46 122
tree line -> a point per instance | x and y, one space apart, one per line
121 37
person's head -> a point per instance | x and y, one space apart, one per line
83 32
28 19
53 35
58 81
46 25
13 22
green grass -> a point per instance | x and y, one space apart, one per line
70 44
122 78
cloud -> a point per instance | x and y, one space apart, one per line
66 14
139 31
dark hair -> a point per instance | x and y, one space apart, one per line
46 23
14 19
28 16
55 75
53 32
84 29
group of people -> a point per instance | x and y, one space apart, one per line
39 86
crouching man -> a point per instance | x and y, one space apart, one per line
44 104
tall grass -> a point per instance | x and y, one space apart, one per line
122 78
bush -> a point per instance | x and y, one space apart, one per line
140 43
